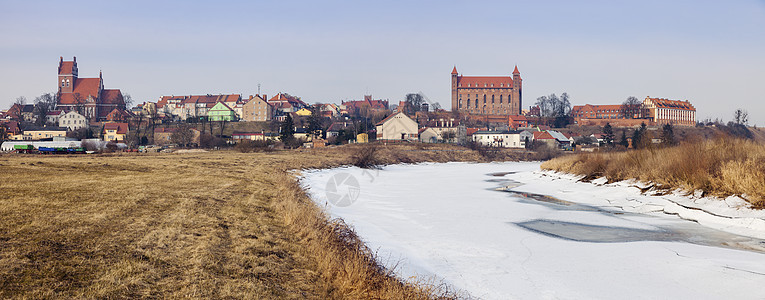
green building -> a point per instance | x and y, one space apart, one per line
221 112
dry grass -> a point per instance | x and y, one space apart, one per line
198 225
720 167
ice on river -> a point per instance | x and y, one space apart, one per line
508 230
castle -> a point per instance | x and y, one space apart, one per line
487 95
87 96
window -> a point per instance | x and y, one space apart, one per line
62 83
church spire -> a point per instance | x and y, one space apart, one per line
454 71
516 70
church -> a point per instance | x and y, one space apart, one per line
87 96
487 95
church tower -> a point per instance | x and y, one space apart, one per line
517 92
455 100
67 75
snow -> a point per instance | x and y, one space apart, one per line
455 222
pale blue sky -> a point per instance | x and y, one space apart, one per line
600 52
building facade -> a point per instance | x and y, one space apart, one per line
72 120
397 126
256 109
487 95
85 95
675 112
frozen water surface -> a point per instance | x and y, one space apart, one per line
510 231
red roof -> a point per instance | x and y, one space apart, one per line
471 131
83 86
543 135
516 70
666 103
518 118
65 67
485 81
112 97
121 128
293 101
454 71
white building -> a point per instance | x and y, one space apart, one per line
72 120
397 126
505 139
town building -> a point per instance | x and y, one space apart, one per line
85 95
487 95
675 112
256 109
518 121
397 126
355 107
116 132
285 103
194 106
72 120
33 133
221 112
504 139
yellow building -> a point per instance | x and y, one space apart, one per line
39 134
303 112
115 131
362 138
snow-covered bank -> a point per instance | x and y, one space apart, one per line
449 221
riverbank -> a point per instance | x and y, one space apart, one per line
719 167
199 225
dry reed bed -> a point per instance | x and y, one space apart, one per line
200 225
720 167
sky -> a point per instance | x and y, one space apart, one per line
711 53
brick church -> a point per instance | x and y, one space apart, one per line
487 95
85 95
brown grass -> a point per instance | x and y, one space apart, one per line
720 167
198 225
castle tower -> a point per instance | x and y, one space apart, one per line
67 75
517 92
455 103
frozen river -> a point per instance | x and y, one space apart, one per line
509 231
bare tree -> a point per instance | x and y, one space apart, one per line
44 104
414 101
128 100
632 108
182 135
21 100
741 116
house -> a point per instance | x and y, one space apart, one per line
518 121
115 132
164 136
303 112
504 139
221 112
429 135
246 136
302 134
563 140
357 106
335 128
285 103
53 116
72 120
31 133
256 109
547 138
119 115
194 106
397 126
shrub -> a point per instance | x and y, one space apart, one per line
365 157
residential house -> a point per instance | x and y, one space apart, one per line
33 133
221 112
256 109
303 112
397 126
119 115
72 120
355 107
504 139
53 116
429 135
518 121
285 103
115 132
193 106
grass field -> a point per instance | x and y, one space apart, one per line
200 225
722 167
